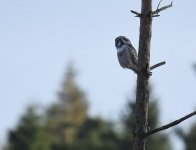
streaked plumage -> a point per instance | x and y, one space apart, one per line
127 55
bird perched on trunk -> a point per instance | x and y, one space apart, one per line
127 55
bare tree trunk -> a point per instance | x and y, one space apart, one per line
142 96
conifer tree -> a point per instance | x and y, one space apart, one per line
188 138
69 112
29 134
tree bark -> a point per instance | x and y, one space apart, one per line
142 94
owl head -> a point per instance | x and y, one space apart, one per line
121 40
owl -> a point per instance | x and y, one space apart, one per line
127 55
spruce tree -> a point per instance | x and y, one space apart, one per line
188 138
30 133
68 113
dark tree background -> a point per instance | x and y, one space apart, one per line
188 138
66 125
159 141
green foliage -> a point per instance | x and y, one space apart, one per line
66 125
29 134
72 100
66 116
97 134
58 128
189 138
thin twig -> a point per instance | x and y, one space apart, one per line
136 13
159 4
158 10
157 65
170 124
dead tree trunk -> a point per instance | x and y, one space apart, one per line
142 96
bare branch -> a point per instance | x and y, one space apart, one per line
158 10
136 13
155 15
159 4
157 65
170 124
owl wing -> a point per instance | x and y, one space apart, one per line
132 58
133 54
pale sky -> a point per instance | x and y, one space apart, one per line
39 37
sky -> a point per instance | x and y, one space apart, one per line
38 39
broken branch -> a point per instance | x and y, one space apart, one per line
136 13
174 123
157 65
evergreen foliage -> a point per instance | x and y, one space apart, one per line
66 125
188 138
